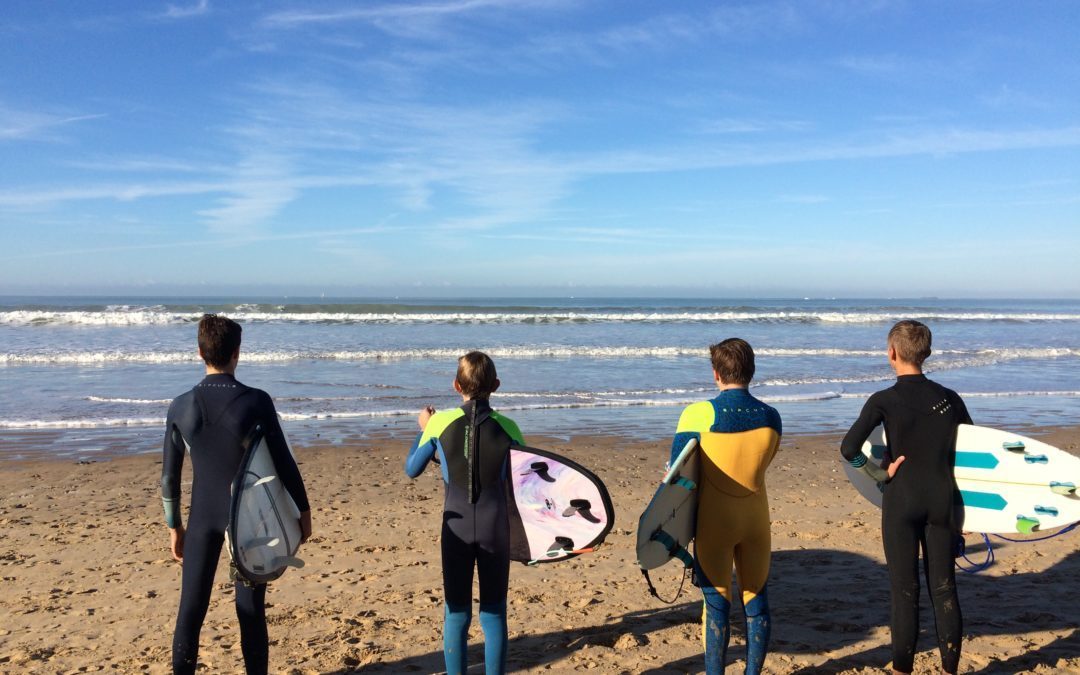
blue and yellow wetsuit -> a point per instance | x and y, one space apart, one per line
739 436
472 445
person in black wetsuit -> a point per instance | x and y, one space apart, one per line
472 446
212 421
920 504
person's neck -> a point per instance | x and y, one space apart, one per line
210 370
730 387
903 369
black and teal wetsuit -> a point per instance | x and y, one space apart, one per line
919 507
472 445
211 421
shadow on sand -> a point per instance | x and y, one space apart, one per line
826 593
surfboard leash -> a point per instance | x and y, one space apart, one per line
652 589
975 567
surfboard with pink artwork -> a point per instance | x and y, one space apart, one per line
558 508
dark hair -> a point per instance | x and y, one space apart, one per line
476 375
733 361
219 338
912 341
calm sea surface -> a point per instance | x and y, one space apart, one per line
86 377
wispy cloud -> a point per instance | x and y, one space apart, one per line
200 8
18 125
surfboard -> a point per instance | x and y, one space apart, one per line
264 522
666 527
558 508
1008 483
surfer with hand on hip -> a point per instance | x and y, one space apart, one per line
738 437
212 421
919 504
472 446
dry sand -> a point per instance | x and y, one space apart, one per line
88 584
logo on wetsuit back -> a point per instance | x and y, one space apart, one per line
942 407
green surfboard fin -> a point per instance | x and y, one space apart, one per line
1026 525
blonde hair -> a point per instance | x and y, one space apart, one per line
476 375
911 339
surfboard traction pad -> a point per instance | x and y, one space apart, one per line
1013 447
263 534
558 509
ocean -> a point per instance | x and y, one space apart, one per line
82 378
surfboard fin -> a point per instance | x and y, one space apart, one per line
1036 459
1067 489
541 470
1046 510
261 541
1013 446
581 507
262 481
288 561
1026 525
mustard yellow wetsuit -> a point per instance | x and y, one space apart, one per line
739 436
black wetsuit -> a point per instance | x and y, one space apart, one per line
212 420
920 507
473 443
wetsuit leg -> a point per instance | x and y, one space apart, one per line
458 560
941 581
716 629
254 640
202 547
902 540
752 558
493 569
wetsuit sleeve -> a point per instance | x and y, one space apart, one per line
419 455
694 419
284 462
172 465
851 447
963 415
427 442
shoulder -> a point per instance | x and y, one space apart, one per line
440 421
698 416
508 425
182 405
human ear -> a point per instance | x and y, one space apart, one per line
496 387
457 386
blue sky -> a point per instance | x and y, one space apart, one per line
462 146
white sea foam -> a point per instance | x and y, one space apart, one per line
596 403
135 401
157 316
79 358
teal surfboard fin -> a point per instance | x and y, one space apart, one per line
1026 525
1046 510
1068 489
1036 459
1013 446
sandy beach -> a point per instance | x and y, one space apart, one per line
88 583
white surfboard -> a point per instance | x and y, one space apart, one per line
1009 483
666 527
264 524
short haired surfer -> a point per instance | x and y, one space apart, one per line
738 436
210 421
921 418
472 446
